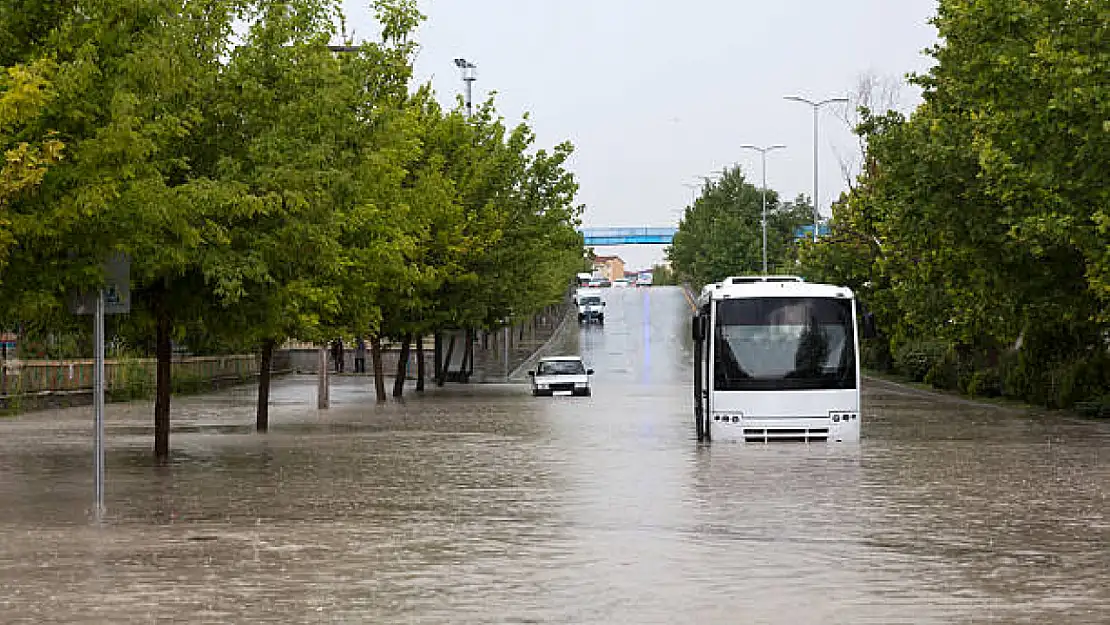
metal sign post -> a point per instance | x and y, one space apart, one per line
113 299
98 406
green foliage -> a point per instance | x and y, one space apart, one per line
980 221
24 91
985 383
720 235
917 359
264 186
1096 409
663 275
875 354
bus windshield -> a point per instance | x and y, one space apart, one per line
782 343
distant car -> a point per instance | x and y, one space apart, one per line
590 306
561 375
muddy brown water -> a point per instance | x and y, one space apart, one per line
485 505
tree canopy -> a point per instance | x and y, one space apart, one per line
981 220
264 186
721 233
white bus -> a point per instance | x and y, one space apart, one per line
777 358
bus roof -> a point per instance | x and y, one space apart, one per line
769 286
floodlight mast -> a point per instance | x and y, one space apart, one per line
468 77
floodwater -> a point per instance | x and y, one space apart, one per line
486 505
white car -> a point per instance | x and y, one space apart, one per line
561 375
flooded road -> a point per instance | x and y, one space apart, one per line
483 504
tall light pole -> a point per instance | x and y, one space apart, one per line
816 107
468 77
763 155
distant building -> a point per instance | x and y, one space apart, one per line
609 267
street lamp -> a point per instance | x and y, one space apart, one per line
468 77
816 106
763 155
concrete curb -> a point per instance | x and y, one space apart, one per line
516 375
691 296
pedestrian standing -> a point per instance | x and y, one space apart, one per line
337 354
360 355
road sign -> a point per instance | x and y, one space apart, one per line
806 232
114 298
117 290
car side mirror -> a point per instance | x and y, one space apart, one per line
532 374
602 303
589 371
697 329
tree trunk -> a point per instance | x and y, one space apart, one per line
402 367
164 352
446 362
262 416
468 356
379 373
420 364
437 355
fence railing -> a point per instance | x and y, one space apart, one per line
39 376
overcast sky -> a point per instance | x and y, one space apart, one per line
655 93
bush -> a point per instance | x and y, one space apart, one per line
134 380
1084 380
917 358
985 383
945 373
1097 409
875 354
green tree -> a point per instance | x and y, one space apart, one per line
24 91
133 92
981 219
720 235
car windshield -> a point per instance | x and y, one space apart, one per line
562 367
590 301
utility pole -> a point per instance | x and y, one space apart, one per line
816 107
763 154
467 69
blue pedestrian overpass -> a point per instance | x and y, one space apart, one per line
628 236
